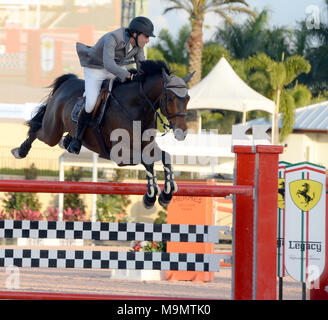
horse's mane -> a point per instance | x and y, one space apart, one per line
151 68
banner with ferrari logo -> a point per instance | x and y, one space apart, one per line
281 218
305 221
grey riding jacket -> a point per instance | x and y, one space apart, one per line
110 52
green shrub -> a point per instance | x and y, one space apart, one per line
161 217
73 200
112 207
20 200
31 173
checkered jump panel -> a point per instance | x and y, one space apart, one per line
37 258
109 231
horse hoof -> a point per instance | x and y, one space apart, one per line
15 153
164 199
148 202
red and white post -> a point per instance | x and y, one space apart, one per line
255 223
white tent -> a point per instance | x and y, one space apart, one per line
223 89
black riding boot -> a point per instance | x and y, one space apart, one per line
82 124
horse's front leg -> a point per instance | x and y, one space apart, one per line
152 187
170 185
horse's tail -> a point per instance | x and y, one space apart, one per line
36 122
60 80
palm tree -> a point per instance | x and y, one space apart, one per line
313 44
253 36
274 77
212 53
197 9
174 50
242 40
301 39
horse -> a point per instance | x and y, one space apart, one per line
305 193
281 190
130 115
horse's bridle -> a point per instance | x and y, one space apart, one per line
163 103
163 100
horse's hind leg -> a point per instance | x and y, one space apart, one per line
153 189
170 185
22 151
35 124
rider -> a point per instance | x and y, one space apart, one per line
104 61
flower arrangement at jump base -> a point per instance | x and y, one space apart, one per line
147 246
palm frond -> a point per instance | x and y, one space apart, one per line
223 2
295 65
222 13
234 9
179 5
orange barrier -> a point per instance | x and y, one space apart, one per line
190 210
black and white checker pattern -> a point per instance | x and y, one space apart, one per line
109 231
36 258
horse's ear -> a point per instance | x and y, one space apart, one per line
166 77
187 78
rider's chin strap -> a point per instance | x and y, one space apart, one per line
136 39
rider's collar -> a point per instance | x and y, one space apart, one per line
126 36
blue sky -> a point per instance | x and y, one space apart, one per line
282 13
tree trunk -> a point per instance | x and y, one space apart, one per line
275 129
195 48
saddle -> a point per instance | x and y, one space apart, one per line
97 115
98 111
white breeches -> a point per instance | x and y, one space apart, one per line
93 80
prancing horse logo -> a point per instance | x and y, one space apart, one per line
305 193
281 193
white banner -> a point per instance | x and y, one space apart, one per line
305 221
47 53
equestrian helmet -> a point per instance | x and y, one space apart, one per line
142 25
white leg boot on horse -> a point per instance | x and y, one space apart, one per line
153 189
170 185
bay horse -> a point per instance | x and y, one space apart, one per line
128 126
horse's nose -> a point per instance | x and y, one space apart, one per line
179 134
